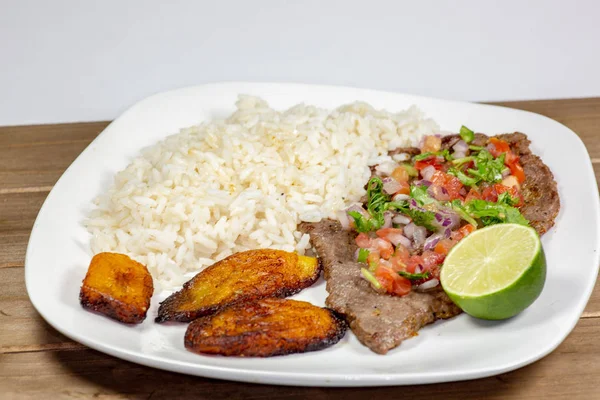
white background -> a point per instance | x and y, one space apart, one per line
74 60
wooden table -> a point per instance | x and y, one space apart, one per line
38 362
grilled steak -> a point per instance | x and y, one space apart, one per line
380 321
539 190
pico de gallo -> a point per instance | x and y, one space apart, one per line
417 211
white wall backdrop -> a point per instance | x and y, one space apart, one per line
74 60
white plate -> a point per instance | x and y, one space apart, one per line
462 348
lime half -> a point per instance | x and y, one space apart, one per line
495 272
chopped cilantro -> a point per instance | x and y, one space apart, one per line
419 193
507 199
377 201
495 213
419 216
361 223
458 207
466 134
414 277
462 177
487 169
442 153
363 254
423 156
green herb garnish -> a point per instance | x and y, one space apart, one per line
370 278
419 193
363 254
377 201
458 207
414 277
423 156
361 223
442 153
462 177
412 171
495 213
419 217
466 134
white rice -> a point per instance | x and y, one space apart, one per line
246 182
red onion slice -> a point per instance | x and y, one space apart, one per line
438 193
400 197
344 219
358 208
401 219
419 235
391 186
431 241
387 219
409 230
427 172
430 284
461 146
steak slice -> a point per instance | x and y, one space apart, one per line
380 321
540 194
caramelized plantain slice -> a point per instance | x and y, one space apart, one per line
117 286
241 277
265 328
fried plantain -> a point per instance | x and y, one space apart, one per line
265 328
117 286
241 277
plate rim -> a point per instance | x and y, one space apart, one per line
302 378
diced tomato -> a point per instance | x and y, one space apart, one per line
465 230
384 248
400 174
390 234
511 158
473 195
391 282
400 258
363 241
427 162
373 258
402 252
517 170
489 194
432 259
449 182
385 277
402 286
513 191
498 147
444 246
431 144
414 262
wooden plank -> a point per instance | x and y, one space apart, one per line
35 135
37 155
581 115
17 215
569 372
21 327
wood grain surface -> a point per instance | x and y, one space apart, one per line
36 362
